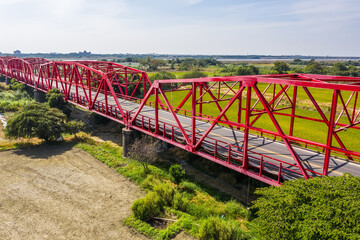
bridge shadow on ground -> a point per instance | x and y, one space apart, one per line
46 150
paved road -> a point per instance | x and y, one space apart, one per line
311 160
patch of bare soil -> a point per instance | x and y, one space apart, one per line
60 192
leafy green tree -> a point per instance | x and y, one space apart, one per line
56 99
314 68
36 120
281 67
247 70
318 208
162 75
194 74
340 68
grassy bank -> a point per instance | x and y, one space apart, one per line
186 206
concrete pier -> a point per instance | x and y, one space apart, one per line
39 96
7 81
126 140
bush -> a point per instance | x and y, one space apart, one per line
216 228
234 209
189 187
74 127
149 182
179 202
14 85
56 99
147 207
165 192
177 172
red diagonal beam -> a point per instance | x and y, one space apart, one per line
218 117
281 132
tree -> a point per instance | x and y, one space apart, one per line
281 67
144 150
314 68
194 74
74 127
247 70
56 99
318 208
36 120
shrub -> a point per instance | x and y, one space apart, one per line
190 187
149 182
177 172
147 207
14 85
216 228
166 192
74 127
234 209
56 99
179 202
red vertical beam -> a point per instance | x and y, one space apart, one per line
201 98
157 110
89 86
106 98
126 83
285 140
246 132
354 110
193 113
239 106
291 131
330 132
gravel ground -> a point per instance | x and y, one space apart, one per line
60 192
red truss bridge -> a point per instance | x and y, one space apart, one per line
256 125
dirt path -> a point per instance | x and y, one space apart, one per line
60 192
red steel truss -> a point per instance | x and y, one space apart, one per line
240 103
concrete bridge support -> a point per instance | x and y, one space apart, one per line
7 81
39 96
127 135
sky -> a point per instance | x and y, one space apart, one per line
211 27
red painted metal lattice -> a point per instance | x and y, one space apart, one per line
231 138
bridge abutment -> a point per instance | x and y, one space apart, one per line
39 96
7 81
126 140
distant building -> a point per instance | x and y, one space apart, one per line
17 52
85 53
